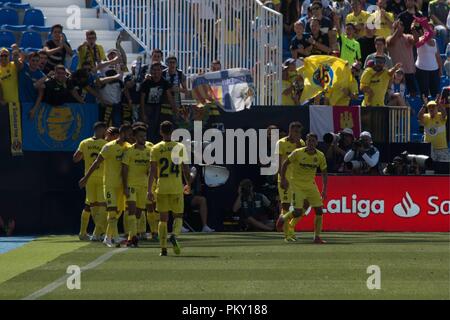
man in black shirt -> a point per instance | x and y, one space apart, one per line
57 48
367 43
407 16
153 91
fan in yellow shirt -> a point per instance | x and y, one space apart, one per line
95 204
381 20
169 165
284 148
375 82
434 123
305 162
135 169
358 18
342 92
112 154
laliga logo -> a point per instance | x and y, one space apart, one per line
407 208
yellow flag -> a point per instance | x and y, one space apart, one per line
321 73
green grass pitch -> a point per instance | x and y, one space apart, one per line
238 266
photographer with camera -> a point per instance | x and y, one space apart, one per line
363 157
336 146
404 165
252 207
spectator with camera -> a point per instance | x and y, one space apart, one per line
434 122
363 157
252 207
401 166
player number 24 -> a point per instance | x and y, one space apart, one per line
174 168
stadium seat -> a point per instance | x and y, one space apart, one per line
41 29
17 6
31 40
13 28
74 63
3 2
34 17
9 16
445 82
7 39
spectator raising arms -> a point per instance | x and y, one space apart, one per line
90 51
350 49
375 81
358 17
57 48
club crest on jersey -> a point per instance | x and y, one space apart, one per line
323 76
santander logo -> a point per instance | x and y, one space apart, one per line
406 208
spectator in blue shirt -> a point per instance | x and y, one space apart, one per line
30 79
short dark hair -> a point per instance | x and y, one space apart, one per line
90 33
99 124
60 66
172 57
140 124
295 124
215 61
113 130
155 65
349 24
33 55
157 51
136 129
382 39
166 127
312 135
56 26
125 127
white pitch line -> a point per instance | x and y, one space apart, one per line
57 283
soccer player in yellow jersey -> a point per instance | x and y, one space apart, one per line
135 169
169 165
112 154
284 148
95 203
305 162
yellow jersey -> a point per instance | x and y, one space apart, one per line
305 165
284 148
169 166
138 162
10 82
382 25
90 148
337 97
379 83
113 153
435 131
358 20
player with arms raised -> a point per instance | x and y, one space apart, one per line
305 162
168 166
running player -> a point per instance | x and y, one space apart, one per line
169 165
135 169
284 148
112 154
305 162
95 204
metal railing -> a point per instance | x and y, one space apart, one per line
239 33
399 124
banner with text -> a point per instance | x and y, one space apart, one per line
59 128
409 204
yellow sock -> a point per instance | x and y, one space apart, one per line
162 231
132 225
177 224
84 222
111 229
142 224
102 218
126 227
318 225
292 225
95 217
153 220
288 216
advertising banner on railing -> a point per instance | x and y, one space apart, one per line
57 128
409 204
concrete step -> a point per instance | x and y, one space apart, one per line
62 12
57 3
86 23
101 34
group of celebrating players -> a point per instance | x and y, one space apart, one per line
126 174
